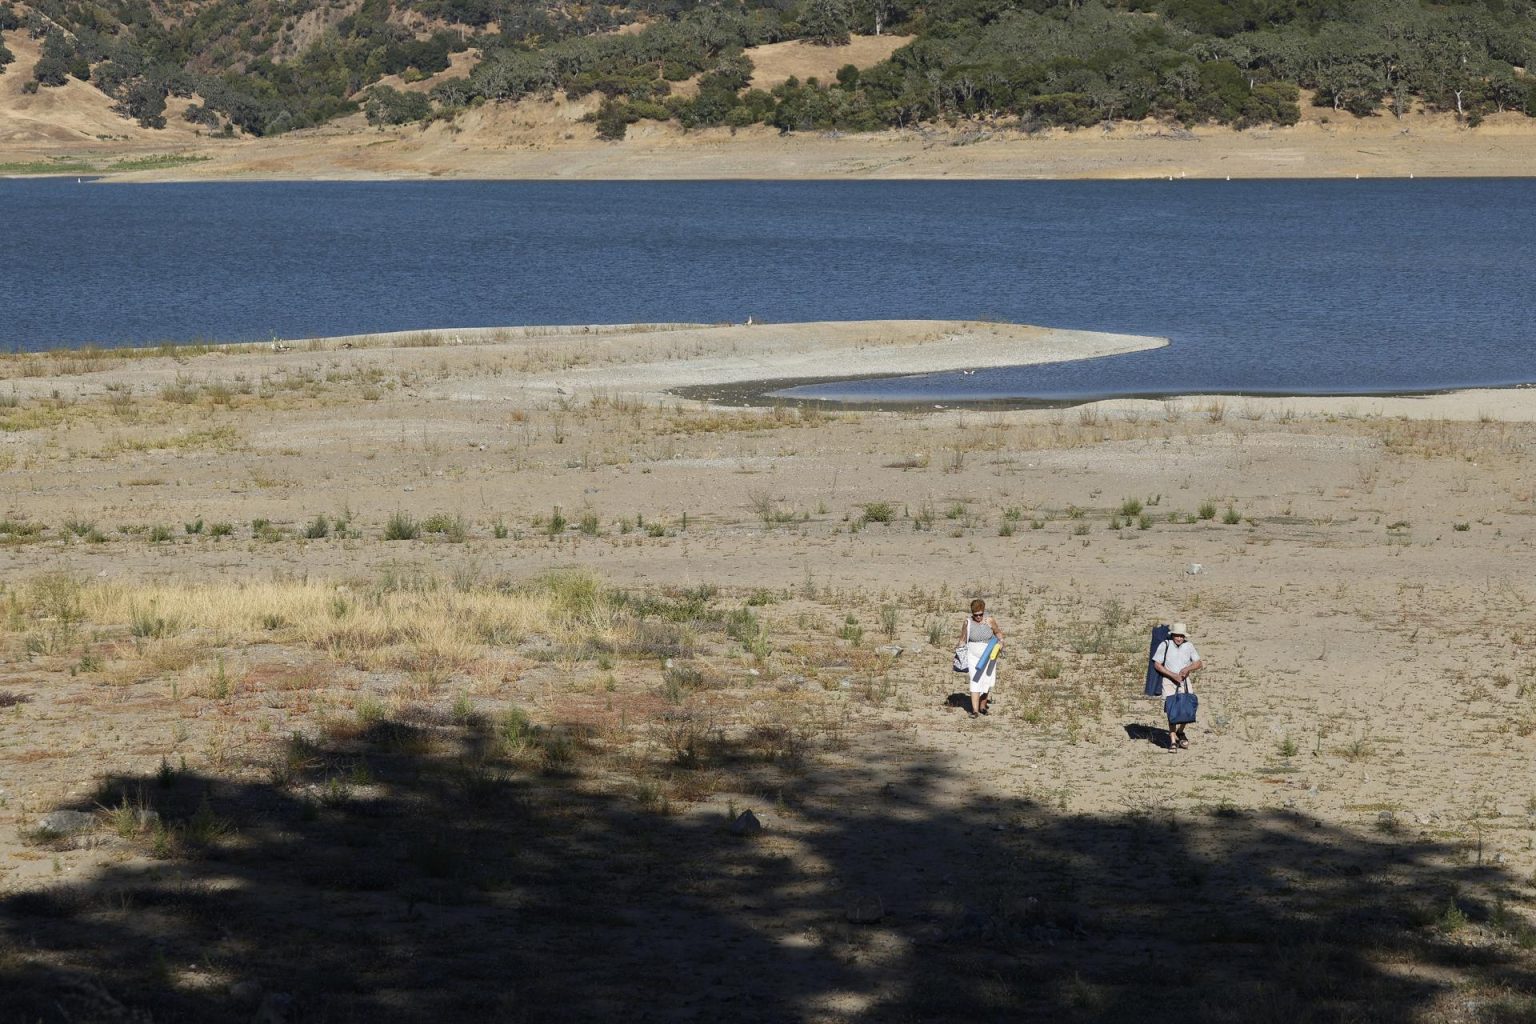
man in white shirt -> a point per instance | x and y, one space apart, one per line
1176 660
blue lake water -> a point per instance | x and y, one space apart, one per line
1269 286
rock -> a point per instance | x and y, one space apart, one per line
864 908
245 992
892 649
66 823
746 824
274 1009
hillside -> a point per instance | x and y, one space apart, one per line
445 87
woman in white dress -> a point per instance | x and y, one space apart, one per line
978 631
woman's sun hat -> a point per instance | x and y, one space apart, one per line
1179 629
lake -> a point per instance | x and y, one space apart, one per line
1285 287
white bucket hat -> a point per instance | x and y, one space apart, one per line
1179 629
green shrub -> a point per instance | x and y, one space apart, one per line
386 106
453 528
879 512
401 526
145 624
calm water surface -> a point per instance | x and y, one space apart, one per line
1286 287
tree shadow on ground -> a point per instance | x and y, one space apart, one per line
431 870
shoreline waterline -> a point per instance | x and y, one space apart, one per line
769 393
727 365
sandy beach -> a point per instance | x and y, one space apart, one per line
430 676
549 143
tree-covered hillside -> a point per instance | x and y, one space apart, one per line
268 66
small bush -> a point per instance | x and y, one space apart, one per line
221 530
1130 508
1231 517
453 528
146 625
20 528
402 526
879 512
158 534
679 681
1207 510
319 527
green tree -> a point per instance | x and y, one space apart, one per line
51 71
144 101
826 22
391 106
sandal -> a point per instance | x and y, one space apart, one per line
971 713
1183 743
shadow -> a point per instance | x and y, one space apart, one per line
431 870
1150 733
958 700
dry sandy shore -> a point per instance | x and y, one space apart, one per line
550 143
422 779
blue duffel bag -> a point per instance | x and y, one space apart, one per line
1181 707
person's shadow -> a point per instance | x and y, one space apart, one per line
1150 733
